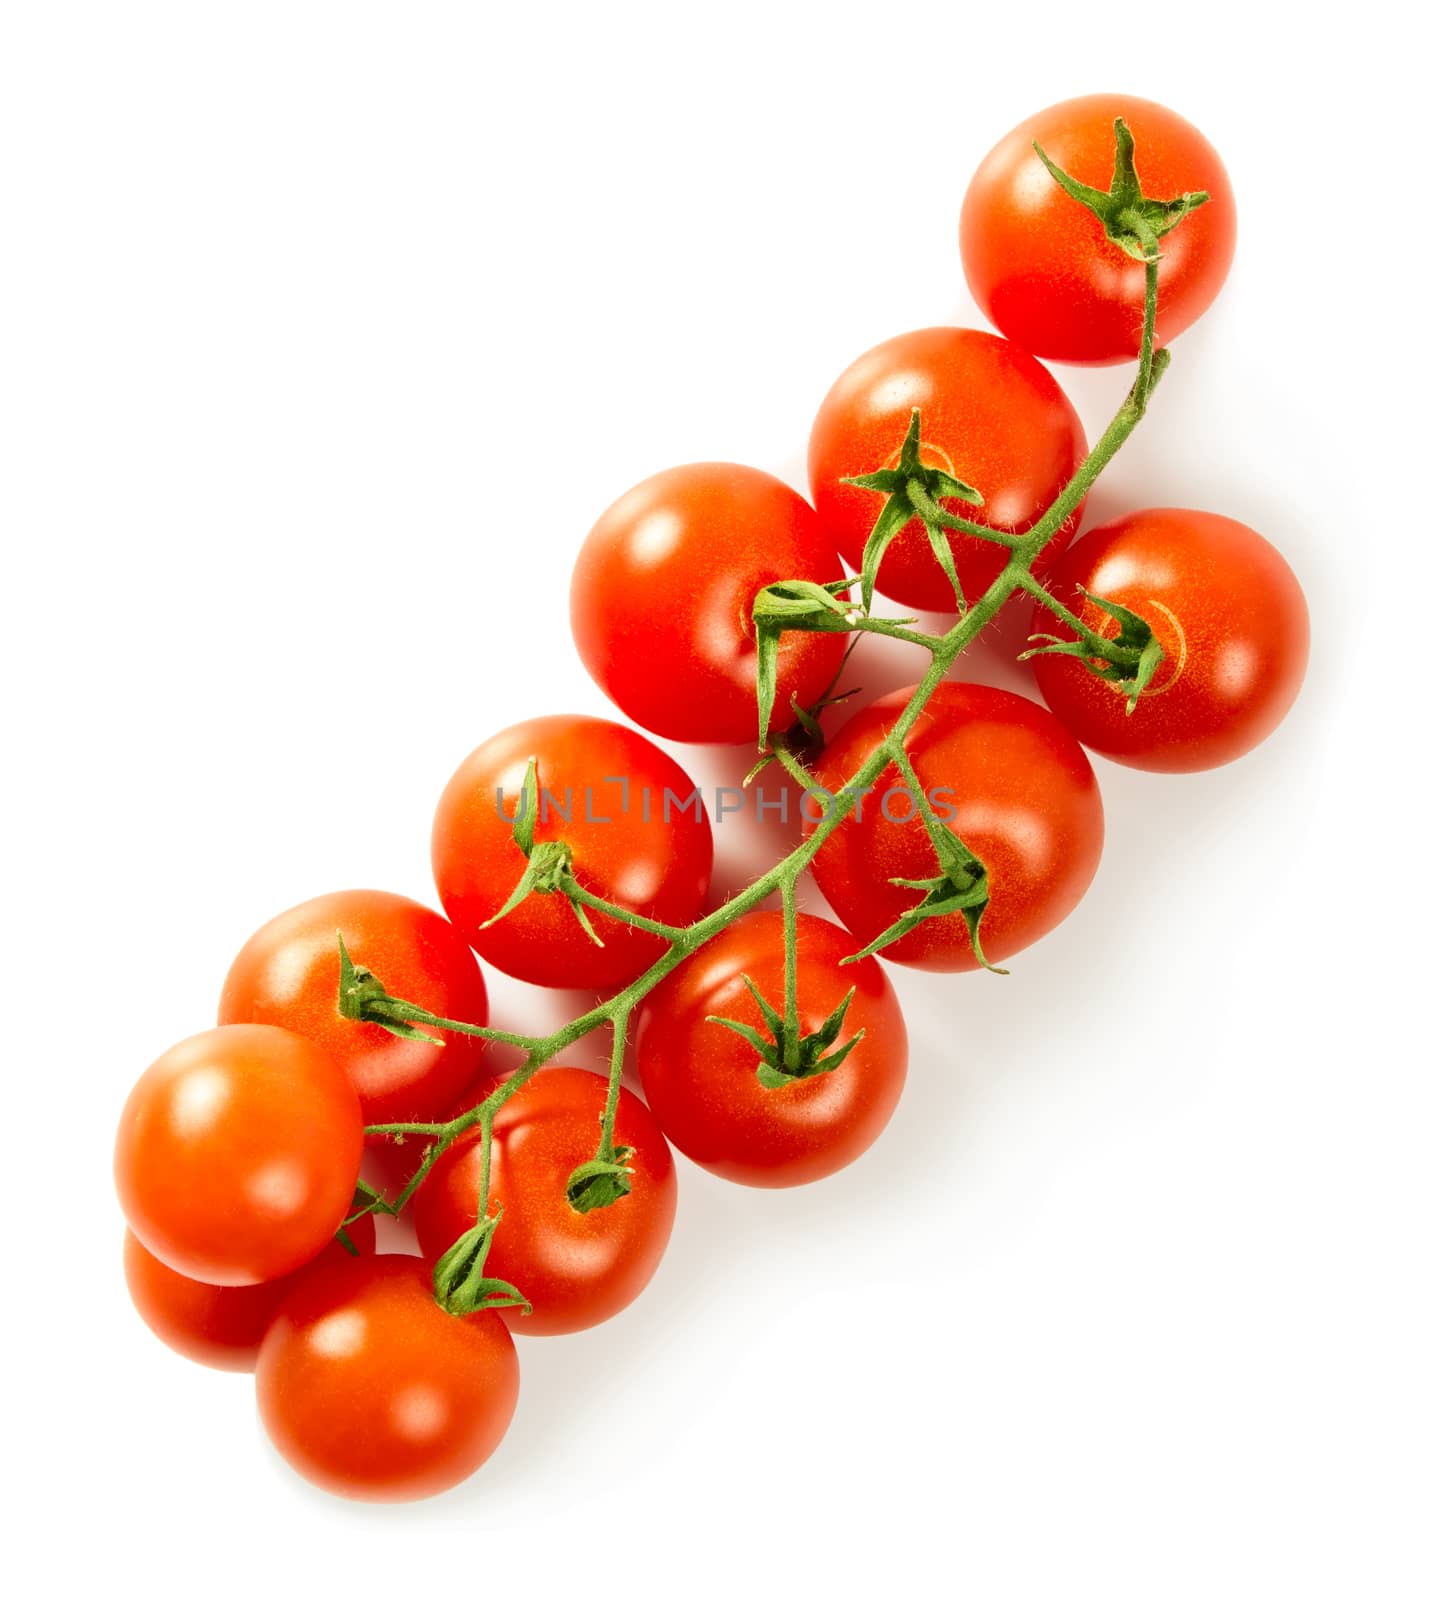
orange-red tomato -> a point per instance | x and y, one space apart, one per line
288 971
990 416
1233 631
369 1389
576 1267
701 1079
218 1327
1007 778
639 834
1039 263
237 1154
662 601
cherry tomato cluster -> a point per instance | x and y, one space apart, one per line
352 1070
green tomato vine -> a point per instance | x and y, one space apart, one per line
911 492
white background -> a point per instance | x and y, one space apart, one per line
327 332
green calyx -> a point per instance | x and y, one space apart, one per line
549 861
597 1183
1129 659
363 997
1136 224
459 1281
913 490
962 886
797 606
789 1056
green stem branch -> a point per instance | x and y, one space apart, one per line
664 930
782 878
615 1089
1105 649
789 895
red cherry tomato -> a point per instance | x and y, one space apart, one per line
1023 799
662 601
221 1328
576 1267
288 971
990 415
605 790
701 1078
1039 263
237 1154
369 1389
1232 625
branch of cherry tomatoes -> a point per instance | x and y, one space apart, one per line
949 826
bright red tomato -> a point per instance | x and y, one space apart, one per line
1024 800
701 1078
237 1154
1039 263
221 1328
662 601
990 416
1232 625
369 1389
287 974
576 1267
606 791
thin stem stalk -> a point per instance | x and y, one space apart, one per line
782 878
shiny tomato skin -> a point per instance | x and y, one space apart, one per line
1025 802
237 1154
1039 264
370 1390
990 415
634 849
288 972
662 601
701 1078
1231 621
577 1268
218 1327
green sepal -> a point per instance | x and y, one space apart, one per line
764 1047
458 1281
524 820
773 1076
366 1202
892 520
549 864
1135 652
944 555
597 1183
772 1017
814 1048
1134 222
363 997
766 689
832 1025
961 886
585 922
1150 658
911 490
547 867
804 604
792 605
806 717
805 738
